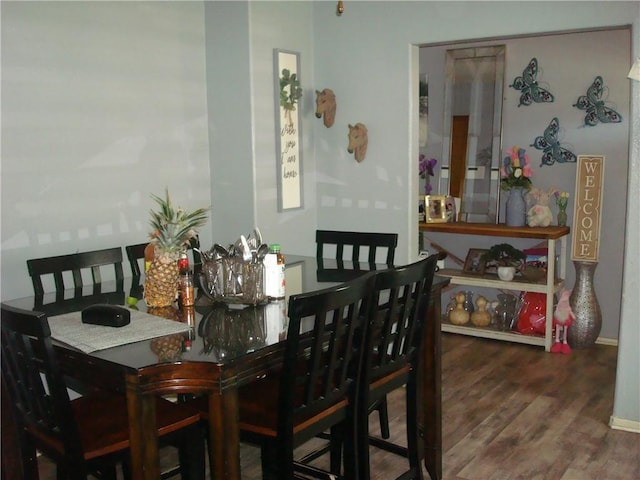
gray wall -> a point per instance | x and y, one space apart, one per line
366 57
229 119
105 103
626 407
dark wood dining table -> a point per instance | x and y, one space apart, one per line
228 346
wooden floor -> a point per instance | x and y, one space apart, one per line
513 412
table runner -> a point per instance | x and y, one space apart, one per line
69 329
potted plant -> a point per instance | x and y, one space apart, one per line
506 258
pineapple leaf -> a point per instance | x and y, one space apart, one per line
174 228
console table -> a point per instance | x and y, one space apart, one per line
550 285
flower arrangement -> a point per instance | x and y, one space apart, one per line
425 168
562 198
516 170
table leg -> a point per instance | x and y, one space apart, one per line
145 464
432 389
224 434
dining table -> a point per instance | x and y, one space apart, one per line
222 346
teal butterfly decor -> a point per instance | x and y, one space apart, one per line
528 85
594 105
550 145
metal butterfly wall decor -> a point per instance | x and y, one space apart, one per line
594 105
528 85
550 145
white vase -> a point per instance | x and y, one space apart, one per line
506 273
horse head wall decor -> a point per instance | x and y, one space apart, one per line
326 105
358 141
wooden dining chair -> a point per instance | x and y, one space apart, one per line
134 253
89 434
73 264
366 243
315 385
391 356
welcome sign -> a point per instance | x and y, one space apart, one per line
588 208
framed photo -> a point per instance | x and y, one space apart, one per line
435 208
450 207
474 263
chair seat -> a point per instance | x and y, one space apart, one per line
105 426
258 405
91 434
258 408
398 377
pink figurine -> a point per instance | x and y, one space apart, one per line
562 320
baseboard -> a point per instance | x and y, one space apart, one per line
613 342
632 426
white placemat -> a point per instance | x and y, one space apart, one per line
68 328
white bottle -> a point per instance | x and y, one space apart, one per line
274 280
275 318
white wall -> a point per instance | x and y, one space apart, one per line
103 104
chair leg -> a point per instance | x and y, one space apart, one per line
335 448
413 436
383 415
191 453
269 461
362 443
126 468
29 459
351 467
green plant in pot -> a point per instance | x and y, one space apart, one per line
506 258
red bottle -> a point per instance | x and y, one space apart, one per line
183 263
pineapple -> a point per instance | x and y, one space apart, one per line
169 347
173 229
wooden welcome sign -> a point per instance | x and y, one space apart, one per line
588 208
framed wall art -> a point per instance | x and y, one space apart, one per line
288 93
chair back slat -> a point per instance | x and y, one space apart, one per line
370 242
75 263
135 253
35 384
318 369
396 327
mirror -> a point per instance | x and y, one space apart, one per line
472 127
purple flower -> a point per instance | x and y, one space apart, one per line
426 166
